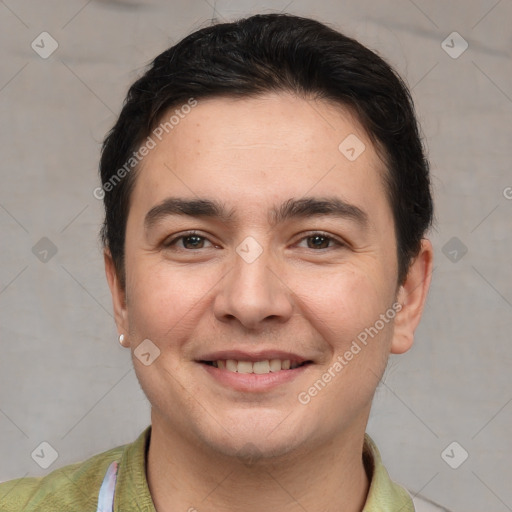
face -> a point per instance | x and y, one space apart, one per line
258 298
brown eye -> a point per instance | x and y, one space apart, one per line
190 241
195 242
321 241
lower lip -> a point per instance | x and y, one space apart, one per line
254 382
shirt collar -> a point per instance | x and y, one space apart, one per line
384 495
132 491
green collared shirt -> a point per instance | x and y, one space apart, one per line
115 481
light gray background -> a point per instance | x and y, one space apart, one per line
64 378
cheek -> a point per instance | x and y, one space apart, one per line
164 302
342 305
348 316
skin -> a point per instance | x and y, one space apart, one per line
210 441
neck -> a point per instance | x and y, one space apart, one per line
186 476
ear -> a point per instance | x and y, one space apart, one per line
412 296
118 294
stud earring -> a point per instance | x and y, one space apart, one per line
121 339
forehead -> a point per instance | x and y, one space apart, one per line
253 151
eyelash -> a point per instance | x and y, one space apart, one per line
172 242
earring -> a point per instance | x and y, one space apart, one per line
121 339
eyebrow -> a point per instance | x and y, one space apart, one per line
290 209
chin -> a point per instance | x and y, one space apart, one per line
254 436
256 449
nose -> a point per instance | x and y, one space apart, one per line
254 293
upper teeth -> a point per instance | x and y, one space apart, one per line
259 367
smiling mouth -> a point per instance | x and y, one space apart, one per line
257 367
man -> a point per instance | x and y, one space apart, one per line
266 197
